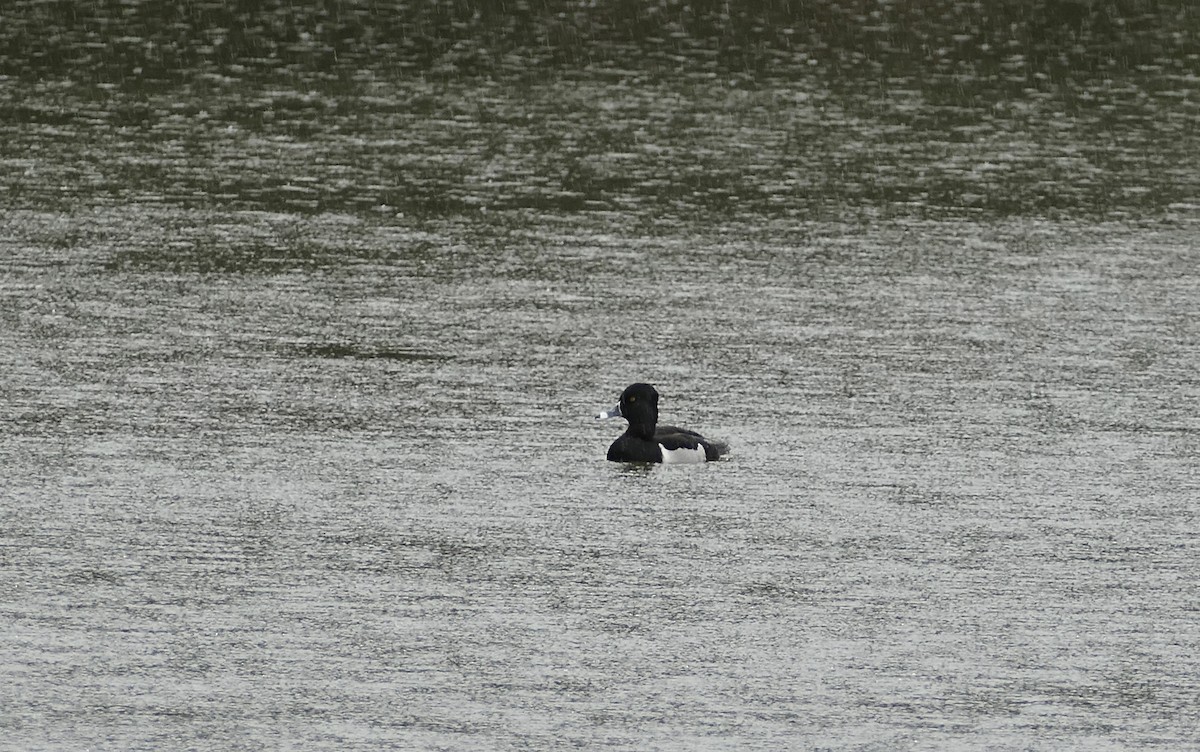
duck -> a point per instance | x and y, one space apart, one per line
646 441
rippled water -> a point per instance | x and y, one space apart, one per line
304 331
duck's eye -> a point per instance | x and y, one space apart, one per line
633 399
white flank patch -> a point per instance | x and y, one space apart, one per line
681 456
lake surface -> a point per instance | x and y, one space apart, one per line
305 316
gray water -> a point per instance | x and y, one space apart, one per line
301 352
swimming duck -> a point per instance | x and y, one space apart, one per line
646 441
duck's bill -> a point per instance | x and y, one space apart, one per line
612 412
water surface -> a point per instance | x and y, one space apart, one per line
302 353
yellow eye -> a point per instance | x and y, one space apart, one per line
633 399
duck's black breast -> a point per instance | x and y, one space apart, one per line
629 448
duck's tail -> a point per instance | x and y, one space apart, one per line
714 449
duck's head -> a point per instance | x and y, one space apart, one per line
639 406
